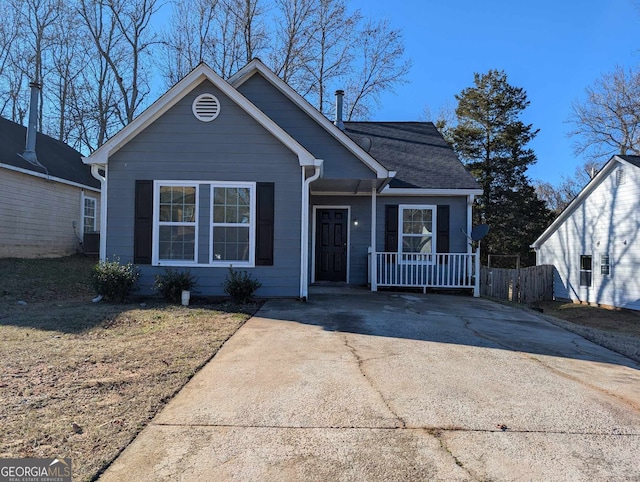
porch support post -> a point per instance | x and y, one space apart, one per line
471 198
476 284
374 257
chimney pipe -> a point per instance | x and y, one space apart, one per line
339 98
30 148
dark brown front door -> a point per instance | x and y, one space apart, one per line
331 245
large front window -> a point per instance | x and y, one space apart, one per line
416 228
206 223
177 222
232 224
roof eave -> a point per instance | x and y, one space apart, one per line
582 195
401 191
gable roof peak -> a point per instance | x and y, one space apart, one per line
257 66
176 93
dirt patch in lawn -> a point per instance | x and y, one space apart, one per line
81 379
618 330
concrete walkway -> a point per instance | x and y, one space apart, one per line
375 386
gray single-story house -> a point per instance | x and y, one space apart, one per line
247 174
49 201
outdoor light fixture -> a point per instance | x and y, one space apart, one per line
355 222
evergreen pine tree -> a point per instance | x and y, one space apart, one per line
492 140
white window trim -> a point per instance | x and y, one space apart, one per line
580 271
429 257
607 264
155 261
95 212
252 225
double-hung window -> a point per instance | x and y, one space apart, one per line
416 230
233 224
229 210
89 214
586 270
605 266
177 227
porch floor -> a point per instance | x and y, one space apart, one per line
329 288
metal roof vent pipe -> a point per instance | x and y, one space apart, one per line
32 129
339 100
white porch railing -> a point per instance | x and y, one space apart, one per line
440 270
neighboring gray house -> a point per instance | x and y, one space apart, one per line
246 173
47 203
593 243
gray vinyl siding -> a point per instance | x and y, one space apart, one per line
339 162
360 236
234 147
458 243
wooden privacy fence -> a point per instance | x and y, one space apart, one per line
525 285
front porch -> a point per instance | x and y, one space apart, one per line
420 270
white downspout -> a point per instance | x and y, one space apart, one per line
304 222
95 172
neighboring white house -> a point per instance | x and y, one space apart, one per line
49 202
594 243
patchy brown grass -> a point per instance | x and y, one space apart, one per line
618 330
626 322
80 379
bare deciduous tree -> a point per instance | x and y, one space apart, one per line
95 57
558 197
379 66
330 49
252 32
294 31
124 45
608 121
190 39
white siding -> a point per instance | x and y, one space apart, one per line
607 222
37 216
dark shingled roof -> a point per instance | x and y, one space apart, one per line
60 159
416 150
635 160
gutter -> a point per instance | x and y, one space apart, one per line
304 224
95 172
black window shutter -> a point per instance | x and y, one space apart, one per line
264 226
391 228
143 227
442 230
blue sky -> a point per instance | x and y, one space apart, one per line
552 49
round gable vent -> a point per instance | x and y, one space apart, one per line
206 107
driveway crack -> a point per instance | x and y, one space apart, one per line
437 434
360 362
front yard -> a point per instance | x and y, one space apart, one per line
81 379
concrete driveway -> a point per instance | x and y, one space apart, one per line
375 386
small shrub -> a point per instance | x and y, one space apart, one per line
240 285
115 281
171 284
